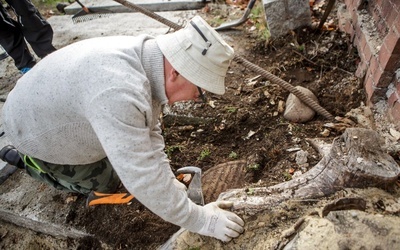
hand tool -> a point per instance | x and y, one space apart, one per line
243 19
195 192
97 198
87 14
328 10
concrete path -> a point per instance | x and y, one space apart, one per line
153 5
130 24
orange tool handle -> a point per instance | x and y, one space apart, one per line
96 198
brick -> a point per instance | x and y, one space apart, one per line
357 29
397 84
369 87
392 42
362 41
367 52
349 4
361 70
382 27
386 8
373 62
392 16
354 15
359 3
349 28
355 39
389 60
369 72
352 31
396 25
379 2
392 99
344 19
385 79
376 75
354 4
393 63
383 57
395 4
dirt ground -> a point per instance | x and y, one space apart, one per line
245 124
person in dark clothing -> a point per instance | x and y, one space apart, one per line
29 26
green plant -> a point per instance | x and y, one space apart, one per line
287 176
231 109
45 3
301 47
250 191
204 154
258 17
216 21
170 149
254 167
233 155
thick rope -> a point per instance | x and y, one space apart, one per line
307 100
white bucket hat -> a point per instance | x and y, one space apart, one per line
199 54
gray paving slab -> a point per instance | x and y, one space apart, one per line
27 203
153 5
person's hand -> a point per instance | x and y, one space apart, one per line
179 185
221 224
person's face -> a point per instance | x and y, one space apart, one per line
179 88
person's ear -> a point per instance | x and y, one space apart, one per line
173 75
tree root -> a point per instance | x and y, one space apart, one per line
356 160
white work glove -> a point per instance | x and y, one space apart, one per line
179 185
221 224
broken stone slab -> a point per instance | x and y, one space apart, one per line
27 203
48 228
357 159
285 15
298 111
270 229
152 5
344 230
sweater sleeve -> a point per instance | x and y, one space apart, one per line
157 140
122 120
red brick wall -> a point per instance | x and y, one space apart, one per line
374 27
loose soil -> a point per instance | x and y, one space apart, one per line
244 124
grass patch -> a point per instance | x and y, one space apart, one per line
257 15
46 4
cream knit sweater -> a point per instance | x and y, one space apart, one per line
100 98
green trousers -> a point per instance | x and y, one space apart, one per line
99 176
